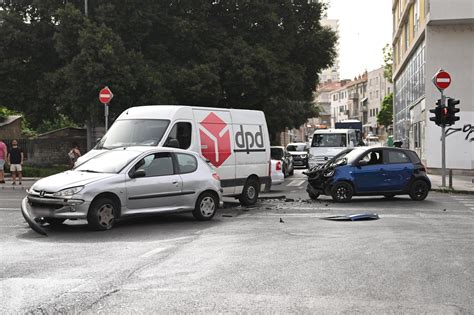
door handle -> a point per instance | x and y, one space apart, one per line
174 182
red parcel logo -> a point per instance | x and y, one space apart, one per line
215 139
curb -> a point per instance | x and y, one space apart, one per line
453 191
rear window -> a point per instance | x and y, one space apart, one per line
276 153
413 156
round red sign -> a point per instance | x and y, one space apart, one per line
442 80
105 95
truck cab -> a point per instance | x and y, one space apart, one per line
327 143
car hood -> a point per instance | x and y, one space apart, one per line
89 155
326 151
68 179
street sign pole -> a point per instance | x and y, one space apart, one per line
106 113
105 96
443 146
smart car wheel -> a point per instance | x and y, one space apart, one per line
101 215
249 195
206 206
342 192
419 190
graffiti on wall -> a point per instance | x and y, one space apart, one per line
467 129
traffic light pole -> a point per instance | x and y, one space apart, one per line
443 146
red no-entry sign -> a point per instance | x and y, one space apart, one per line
105 95
442 80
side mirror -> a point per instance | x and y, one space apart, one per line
138 173
362 163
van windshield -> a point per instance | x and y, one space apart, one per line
130 132
329 140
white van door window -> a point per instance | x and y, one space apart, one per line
180 136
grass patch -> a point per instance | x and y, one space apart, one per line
30 171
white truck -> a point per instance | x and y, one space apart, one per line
327 143
236 142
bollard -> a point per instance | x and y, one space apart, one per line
450 179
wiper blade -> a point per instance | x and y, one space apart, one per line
89 171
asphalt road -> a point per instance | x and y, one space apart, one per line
417 258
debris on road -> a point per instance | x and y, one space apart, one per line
353 217
227 216
281 220
289 200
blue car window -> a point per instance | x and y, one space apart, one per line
373 157
395 157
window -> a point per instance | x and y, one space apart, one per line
329 140
397 157
186 162
182 133
158 164
373 157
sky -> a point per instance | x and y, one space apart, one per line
365 27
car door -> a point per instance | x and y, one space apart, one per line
399 170
193 180
159 189
370 175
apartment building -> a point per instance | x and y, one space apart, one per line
430 35
377 88
330 74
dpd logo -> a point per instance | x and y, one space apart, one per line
215 139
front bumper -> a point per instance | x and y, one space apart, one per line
47 207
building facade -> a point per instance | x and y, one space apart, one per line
430 35
331 74
377 88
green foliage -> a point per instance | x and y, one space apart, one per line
30 171
388 62
261 55
385 116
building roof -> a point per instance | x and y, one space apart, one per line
9 120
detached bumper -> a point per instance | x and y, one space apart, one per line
30 219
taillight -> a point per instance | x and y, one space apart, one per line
278 166
216 176
269 168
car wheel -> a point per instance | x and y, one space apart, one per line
342 192
313 196
54 221
249 195
419 190
206 206
101 215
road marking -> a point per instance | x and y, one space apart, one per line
153 252
9 209
296 182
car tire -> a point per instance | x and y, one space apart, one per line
250 192
102 214
55 221
206 206
313 196
342 192
419 190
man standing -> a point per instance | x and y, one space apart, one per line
15 158
3 157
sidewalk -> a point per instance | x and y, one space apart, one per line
461 184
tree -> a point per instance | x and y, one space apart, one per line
385 116
388 62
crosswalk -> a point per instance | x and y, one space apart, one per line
465 200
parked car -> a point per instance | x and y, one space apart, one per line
370 171
280 153
277 172
372 140
299 152
124 182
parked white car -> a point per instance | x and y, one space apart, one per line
124 182
277 173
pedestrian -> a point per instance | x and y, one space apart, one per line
3 158
15 159
74 154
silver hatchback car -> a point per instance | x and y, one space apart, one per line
125 182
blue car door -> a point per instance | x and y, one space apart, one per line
399 170
370 177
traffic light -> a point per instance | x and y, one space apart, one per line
441 114
452 110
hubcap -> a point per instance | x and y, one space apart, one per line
106 215
341 193
251 192
207 206
420 190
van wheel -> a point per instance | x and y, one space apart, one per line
206 206
342 192
102 213
419 190
249 195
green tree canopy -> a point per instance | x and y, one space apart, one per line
229 53
385 116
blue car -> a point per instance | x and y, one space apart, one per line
369 172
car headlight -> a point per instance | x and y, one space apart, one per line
68 191
329 172
303 156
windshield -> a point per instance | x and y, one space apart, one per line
276 153
329 140
125 133
108 162
296 147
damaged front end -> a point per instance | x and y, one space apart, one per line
320 177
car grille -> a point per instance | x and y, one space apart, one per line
320 159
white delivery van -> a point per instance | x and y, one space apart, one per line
327 143
234 141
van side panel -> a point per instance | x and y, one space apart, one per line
215 143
